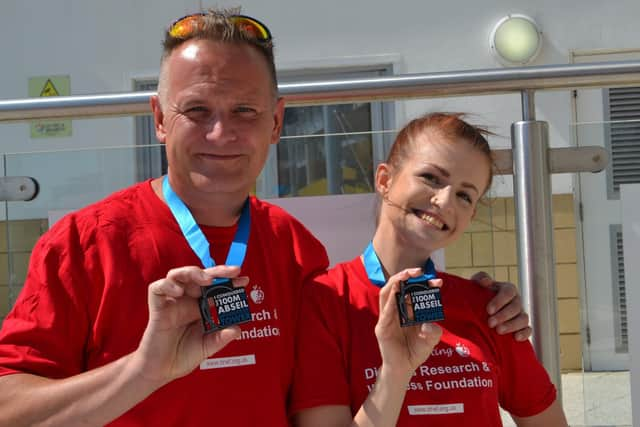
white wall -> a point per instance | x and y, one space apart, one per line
630 198
330 216
103 46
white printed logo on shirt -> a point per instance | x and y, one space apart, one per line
256 294
462 350
228 362
450 408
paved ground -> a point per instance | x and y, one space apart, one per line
600 399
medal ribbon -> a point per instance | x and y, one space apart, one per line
196 238
376 276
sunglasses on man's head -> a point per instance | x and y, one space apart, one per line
185 26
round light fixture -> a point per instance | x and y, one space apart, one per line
516 40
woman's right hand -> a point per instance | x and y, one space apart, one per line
403 349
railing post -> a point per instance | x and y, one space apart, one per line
534 233
332 149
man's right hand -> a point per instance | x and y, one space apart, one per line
173 343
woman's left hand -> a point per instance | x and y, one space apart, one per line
403 349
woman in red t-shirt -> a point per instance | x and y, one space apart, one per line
355 363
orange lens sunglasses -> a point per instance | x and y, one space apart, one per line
185 26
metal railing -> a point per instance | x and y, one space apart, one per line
433 85
532 160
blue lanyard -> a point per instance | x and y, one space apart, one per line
196 238
376 275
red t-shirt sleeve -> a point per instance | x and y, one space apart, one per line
525 387
46 332
320 374
311 256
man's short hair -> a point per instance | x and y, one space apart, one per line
217 25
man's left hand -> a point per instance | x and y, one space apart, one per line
506 313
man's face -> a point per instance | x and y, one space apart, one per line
218 116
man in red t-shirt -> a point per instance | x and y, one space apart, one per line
82 344
107 328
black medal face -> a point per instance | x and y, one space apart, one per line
418 303
222 305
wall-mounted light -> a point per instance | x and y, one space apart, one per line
516 40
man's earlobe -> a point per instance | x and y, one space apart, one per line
158 118
278 119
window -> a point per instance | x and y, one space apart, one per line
328 149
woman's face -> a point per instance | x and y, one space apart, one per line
430 199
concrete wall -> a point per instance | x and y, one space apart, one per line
490 245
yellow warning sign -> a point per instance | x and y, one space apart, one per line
49 89
50 86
